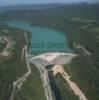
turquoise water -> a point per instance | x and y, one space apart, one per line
43 39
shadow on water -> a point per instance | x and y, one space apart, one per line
54 86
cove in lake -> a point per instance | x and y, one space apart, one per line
43 39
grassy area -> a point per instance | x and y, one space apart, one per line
32 88
65 91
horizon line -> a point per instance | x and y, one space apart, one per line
49 3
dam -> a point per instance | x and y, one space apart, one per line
49 47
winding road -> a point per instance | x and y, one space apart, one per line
40 64
19 82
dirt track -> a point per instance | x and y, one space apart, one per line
77 91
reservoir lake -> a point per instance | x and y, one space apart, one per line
43 39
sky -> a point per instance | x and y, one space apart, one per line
15 2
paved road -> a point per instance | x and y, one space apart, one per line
40 64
